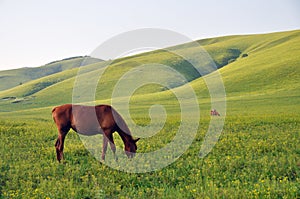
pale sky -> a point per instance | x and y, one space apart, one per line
35 32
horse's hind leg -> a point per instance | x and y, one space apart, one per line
59 145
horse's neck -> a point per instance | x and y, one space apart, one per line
125 137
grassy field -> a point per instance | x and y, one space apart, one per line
256 156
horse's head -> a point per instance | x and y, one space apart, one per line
130 148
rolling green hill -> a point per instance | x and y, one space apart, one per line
12 78
252 66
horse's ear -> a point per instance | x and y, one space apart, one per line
136 140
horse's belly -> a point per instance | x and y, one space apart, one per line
88 130
85 124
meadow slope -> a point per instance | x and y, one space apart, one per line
255 65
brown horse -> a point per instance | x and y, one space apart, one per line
92 120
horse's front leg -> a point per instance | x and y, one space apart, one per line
113 146
104 147
107 137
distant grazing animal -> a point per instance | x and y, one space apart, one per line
92 120
214 112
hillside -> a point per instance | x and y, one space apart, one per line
12 78
253 67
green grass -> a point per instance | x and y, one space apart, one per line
256 156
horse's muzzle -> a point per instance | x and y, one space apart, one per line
130 154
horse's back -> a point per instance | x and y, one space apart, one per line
91 120
87 120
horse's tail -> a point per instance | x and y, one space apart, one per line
52 112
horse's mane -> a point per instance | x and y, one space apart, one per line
121 125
